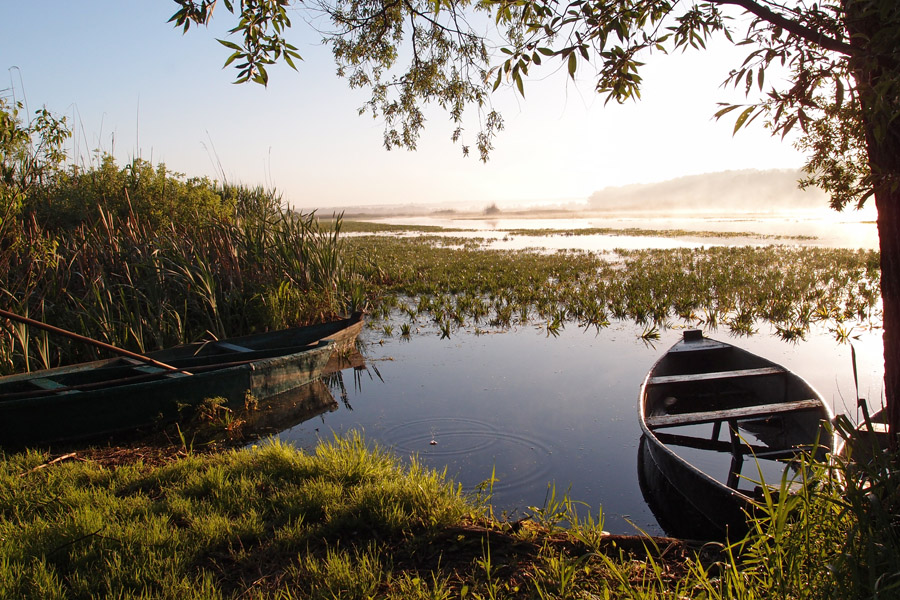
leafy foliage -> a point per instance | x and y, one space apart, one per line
161 197
31 154
261 23
836 62
447 66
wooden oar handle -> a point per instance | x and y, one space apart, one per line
87 340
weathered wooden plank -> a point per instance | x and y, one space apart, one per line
699 346
232 347
745 412
47 384
713 375
876 427
150 370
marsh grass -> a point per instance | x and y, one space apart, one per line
718 287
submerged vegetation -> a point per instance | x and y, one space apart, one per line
352 521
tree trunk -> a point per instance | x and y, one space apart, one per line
877 74
884 160
888 203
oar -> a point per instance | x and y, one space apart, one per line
87 340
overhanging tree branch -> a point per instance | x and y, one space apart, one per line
810 35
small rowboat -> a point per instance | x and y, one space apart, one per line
706 408
94 399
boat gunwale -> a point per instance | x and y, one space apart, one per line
161 379
344 330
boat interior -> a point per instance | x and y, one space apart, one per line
124 370
713 397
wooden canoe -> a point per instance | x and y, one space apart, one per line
715 420
90 400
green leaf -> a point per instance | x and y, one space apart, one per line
573 64
232 58
742 118
724 111
230 45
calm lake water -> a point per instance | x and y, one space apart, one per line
850 229
538 410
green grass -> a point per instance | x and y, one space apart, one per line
270 519
353 521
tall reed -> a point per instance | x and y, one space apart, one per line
141 282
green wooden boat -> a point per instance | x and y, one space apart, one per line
99 398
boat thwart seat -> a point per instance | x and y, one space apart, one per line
153 370
744 412
50 385
713 375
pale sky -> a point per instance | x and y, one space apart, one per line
132 85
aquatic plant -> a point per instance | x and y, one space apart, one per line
736 287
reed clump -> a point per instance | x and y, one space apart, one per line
142 258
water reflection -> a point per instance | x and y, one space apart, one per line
288 409
533 409
823 228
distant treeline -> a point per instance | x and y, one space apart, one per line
746 191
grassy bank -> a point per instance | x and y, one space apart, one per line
354 522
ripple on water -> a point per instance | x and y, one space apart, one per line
519 460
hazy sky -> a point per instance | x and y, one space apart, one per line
133 85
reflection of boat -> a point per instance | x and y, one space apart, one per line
699 385
91 399
287 409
